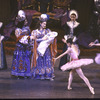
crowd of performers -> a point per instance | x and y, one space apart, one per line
35 51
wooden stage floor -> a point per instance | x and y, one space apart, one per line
12 88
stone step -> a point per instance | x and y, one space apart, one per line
9 50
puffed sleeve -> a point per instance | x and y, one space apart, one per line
18 32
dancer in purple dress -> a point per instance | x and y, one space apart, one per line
75 64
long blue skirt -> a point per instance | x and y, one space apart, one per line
44 67
3 63
21 61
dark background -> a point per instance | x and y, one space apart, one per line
85 10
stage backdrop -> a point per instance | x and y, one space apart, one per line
84 8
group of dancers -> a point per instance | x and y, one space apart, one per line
35 52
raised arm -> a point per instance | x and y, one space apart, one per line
93 44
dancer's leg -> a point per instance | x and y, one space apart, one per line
81 74
70 80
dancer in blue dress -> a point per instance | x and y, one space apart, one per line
22 54
43 50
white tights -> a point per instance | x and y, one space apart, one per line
82 76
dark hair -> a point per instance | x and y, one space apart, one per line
38 24
20 24
73 14
69 41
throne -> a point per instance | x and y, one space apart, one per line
32 7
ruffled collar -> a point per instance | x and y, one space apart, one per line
72 25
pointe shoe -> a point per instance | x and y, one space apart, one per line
92 90
69 88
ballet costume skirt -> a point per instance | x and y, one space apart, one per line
75 62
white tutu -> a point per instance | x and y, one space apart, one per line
97 58
76 64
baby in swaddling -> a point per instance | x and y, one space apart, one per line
44 44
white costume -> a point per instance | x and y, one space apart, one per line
44 44
75 63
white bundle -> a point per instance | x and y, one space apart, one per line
66 37
44 44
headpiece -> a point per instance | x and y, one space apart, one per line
66 37
44 17
73 12
1 24
21 15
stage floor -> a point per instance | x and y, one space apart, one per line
12 88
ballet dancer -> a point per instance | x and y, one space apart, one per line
75 64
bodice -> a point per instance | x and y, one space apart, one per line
41 33
24 31
73 54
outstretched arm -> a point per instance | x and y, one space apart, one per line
64 41
93 44
66 52
98 44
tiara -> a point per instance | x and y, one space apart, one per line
66 37
73 12
21 15
44 17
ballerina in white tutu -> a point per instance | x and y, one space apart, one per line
75 64
96 43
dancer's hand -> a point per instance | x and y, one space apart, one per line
64 40
45 38
91 44
54 60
